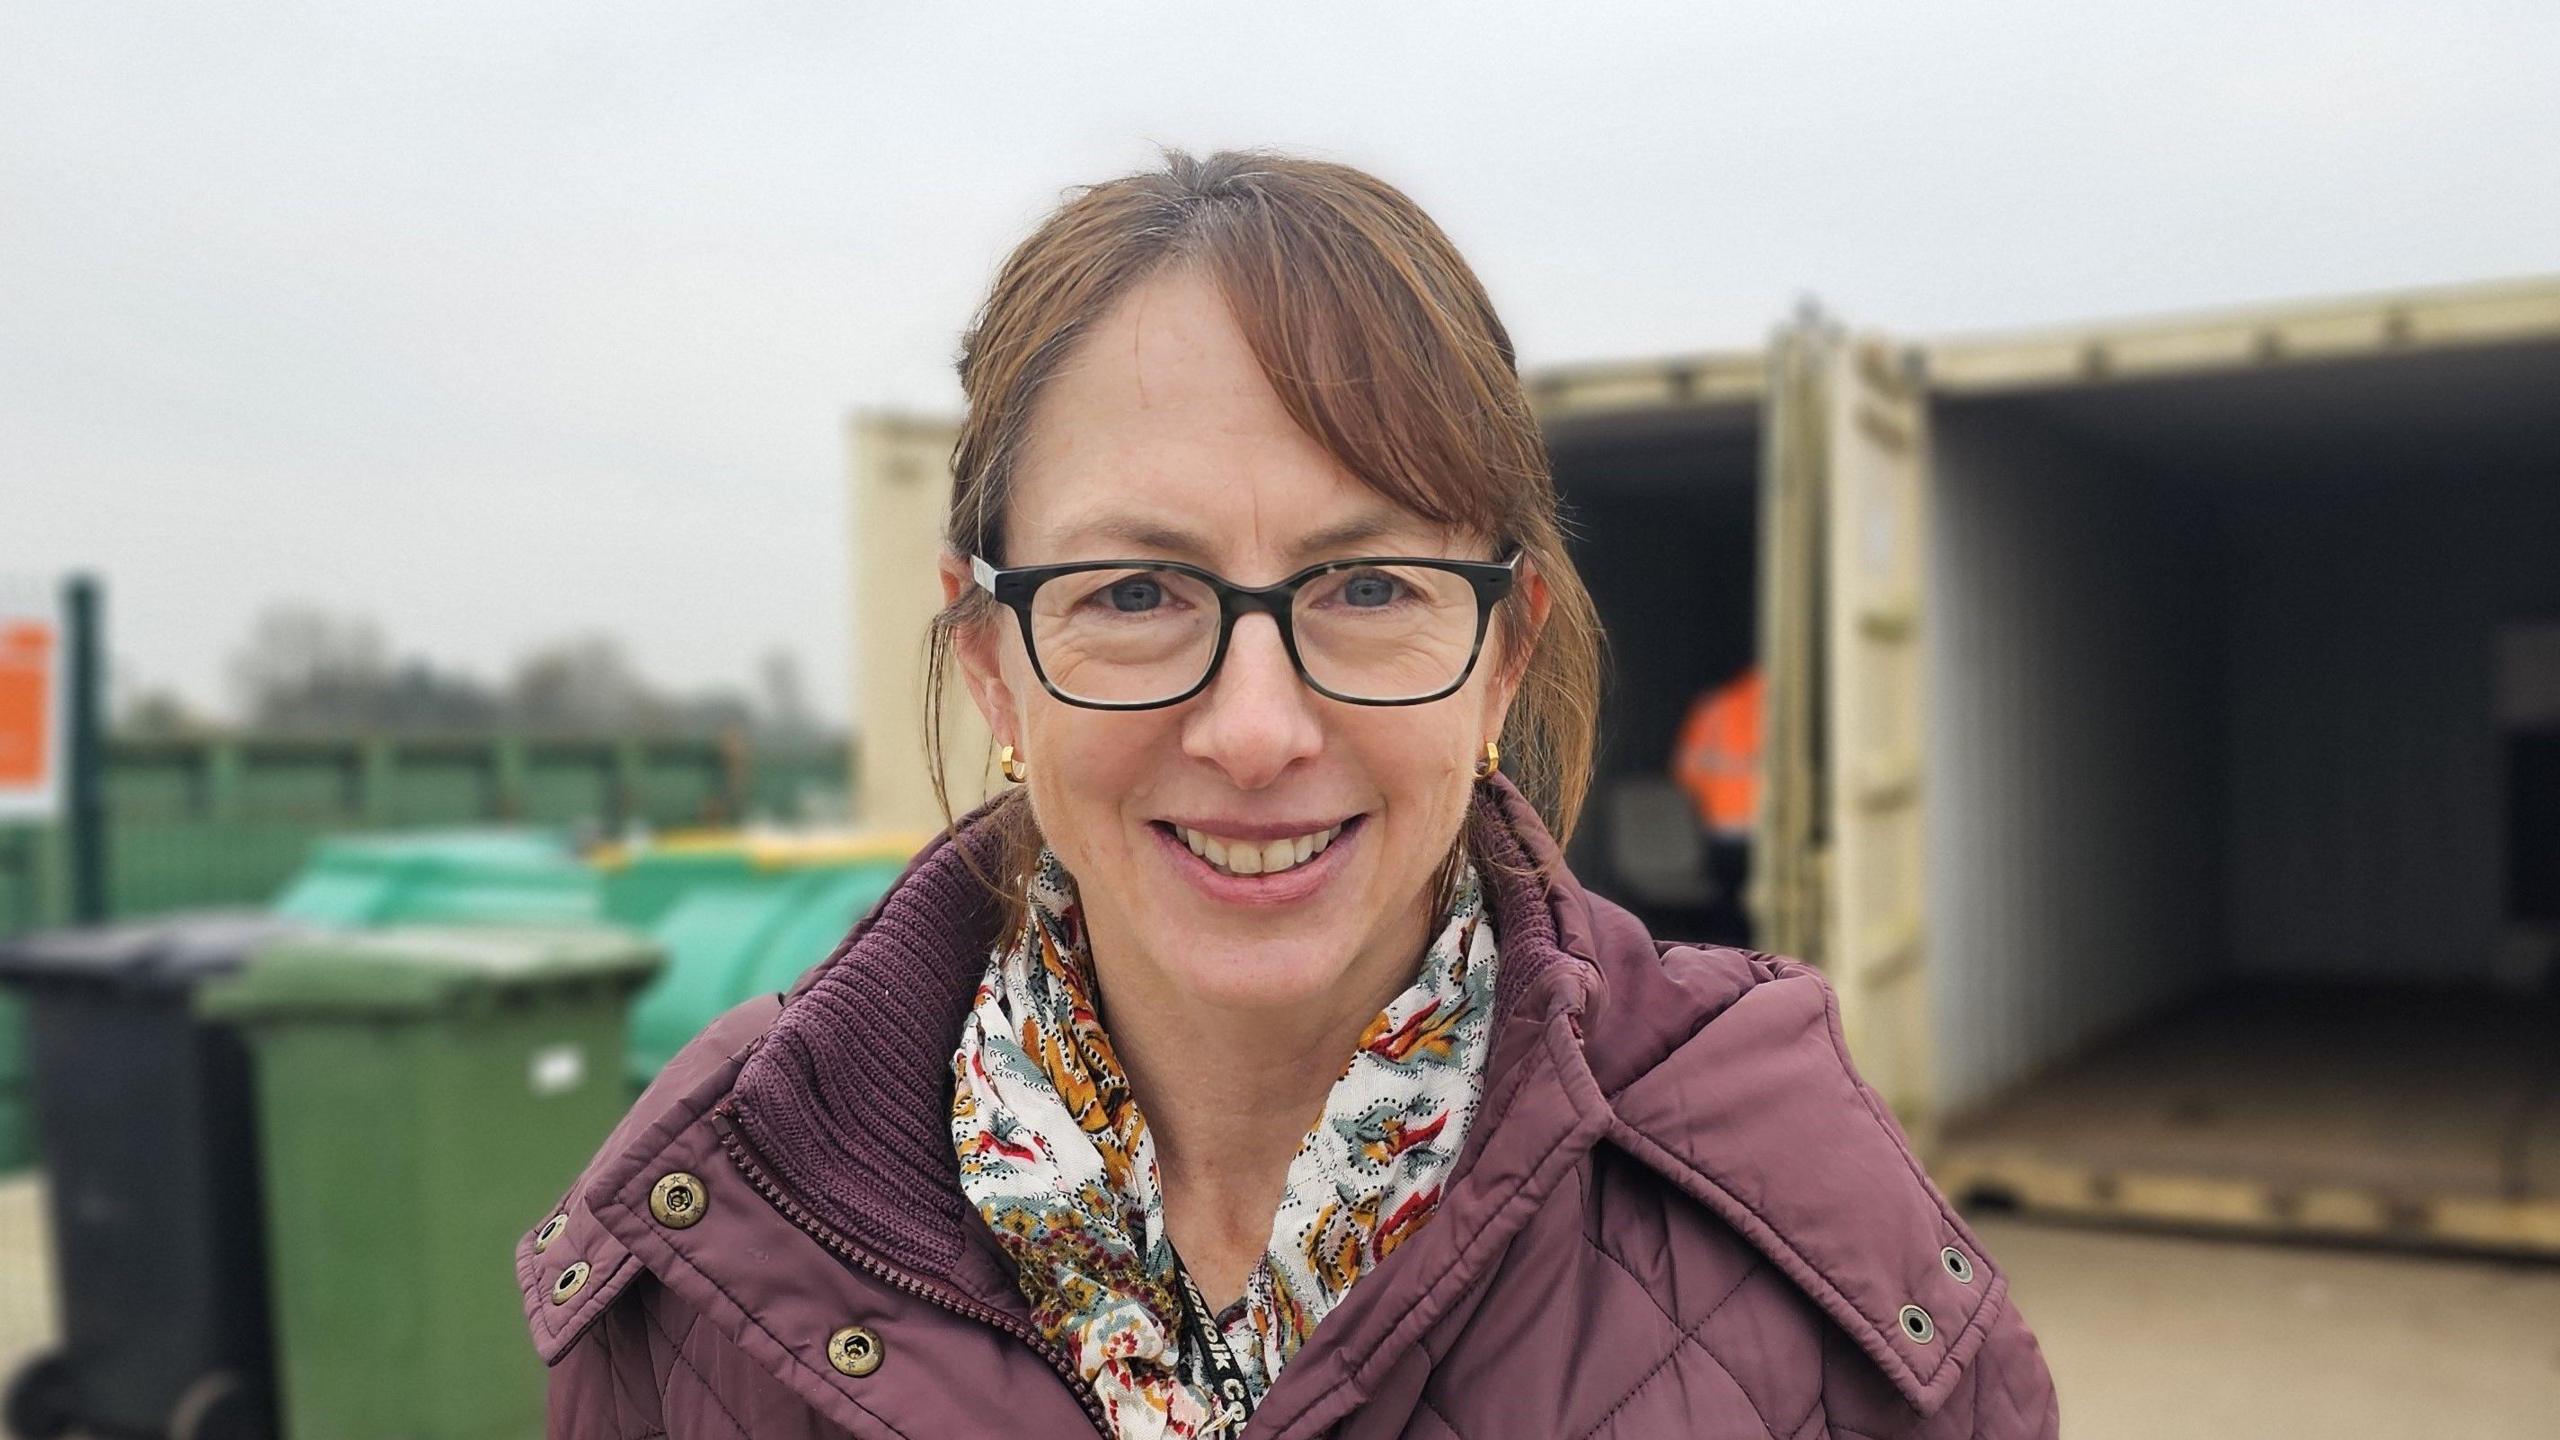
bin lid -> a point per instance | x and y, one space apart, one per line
165 952
425 969
504 846
765 850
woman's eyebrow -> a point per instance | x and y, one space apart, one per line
1133 533
1144 534
1343 535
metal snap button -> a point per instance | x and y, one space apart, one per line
678 1200
549 1232
571 1281
1957 1264
1917 1324
854 1351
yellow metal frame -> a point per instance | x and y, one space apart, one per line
2250 337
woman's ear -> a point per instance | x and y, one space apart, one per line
978 646
1530 593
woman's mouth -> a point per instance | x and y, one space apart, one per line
1256 857
1258 870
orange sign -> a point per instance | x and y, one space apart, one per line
30 689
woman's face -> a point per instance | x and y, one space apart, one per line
1159 438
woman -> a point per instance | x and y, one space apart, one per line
1256 1066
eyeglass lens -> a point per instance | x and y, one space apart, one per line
1371 632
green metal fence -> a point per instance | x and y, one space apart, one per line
227 820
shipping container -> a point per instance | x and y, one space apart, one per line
2183 822
901 489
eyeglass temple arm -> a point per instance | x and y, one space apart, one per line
983 573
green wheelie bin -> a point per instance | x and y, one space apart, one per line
17 1122
421 1092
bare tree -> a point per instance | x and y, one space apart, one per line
304 668
584 683
784 700
156 713
307 670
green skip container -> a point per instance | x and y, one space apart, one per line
421 1091
740 915
491 876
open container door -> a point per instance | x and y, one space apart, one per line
1787 890
1861 726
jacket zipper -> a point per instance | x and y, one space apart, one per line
742 1153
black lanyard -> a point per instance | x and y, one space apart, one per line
1202 1328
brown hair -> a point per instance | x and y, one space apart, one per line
1380 342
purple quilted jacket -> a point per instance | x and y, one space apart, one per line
1680 1213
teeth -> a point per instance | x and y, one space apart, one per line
1246 857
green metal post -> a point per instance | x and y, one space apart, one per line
85 810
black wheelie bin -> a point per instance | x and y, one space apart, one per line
145 1125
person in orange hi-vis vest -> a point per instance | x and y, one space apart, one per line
1717 759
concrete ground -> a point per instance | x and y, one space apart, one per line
2150 1337
26 1274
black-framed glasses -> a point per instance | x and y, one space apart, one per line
1137 634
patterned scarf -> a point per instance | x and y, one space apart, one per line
1057 1158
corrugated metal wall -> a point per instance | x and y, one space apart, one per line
2368 816
2075 810
2225 710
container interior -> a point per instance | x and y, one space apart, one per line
2246 744
1663 511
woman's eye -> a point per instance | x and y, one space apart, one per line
1368 591
1134 596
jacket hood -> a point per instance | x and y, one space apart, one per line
1721 1069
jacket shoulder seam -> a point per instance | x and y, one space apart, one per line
1758 973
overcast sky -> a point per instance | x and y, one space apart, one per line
500 322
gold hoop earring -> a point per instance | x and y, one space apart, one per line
1014 770
1491 762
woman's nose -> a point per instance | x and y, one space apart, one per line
1257 717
